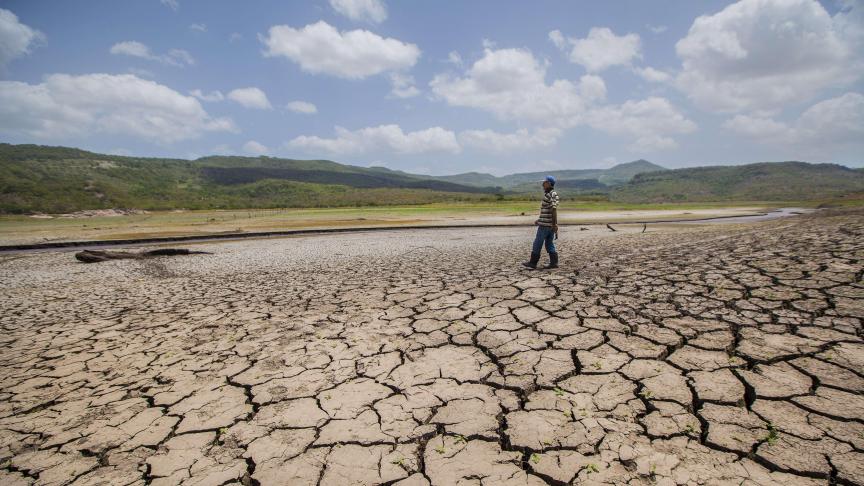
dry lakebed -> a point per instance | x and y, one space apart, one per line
688 354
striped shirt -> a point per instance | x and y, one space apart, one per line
550 202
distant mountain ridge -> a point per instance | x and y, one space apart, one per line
36 178
615 175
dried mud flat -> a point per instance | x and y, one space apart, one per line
718 355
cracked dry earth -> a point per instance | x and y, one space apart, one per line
698 355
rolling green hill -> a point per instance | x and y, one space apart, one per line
767 181
58 179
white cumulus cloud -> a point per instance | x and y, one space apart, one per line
601 50
757 126
356 54
383 138
16 39
255 148
520 140
511 84
823 128
181 57
64 105
653 75
174 57
131 48
558 39
373 11
251 97
212 96
198 27
403 86
651 122
454 58
763 54
303 107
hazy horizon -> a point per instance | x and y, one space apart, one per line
444 88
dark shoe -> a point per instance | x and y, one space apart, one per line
532 263
553 260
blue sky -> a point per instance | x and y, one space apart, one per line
440 87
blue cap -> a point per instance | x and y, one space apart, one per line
550 179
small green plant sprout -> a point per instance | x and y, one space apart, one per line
690 429
772 436
559 392
653 470
398 462
327 397
547 442
597 365
646 393
535 458
440 449
592 468
460 439
568 414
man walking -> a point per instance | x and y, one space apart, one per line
547 226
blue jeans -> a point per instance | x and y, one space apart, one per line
544 235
